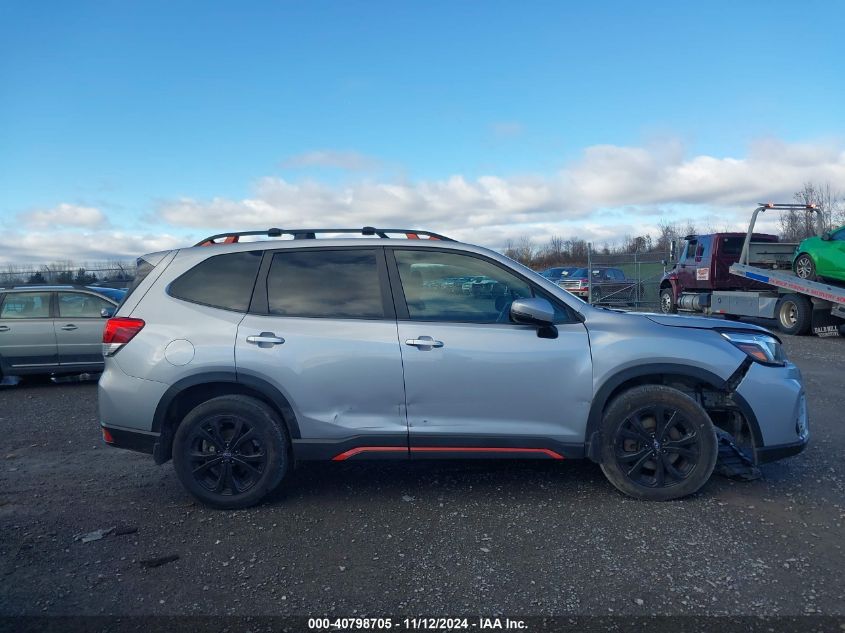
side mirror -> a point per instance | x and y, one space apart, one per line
673 251
107 313
532 312
826 236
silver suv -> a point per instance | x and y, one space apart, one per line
238 359
52 329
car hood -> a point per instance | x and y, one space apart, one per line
701 323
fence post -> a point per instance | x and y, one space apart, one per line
590 273
639 267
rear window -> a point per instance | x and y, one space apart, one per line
732 245
222 281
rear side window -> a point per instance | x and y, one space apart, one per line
732 245
222 281
340 284
25 305
81 305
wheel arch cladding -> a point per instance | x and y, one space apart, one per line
191 391
661 374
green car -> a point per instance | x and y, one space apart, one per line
821 256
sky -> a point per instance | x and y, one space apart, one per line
128 127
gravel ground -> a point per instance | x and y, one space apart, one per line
415 538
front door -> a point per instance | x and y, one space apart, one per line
475 383
832 255
27 339
322 329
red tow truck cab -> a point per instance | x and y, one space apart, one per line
704 266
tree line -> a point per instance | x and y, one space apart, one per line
794 226
67 272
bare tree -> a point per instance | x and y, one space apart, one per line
798 224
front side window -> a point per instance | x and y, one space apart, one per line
457 288
839 235
80 305
222 281
25 305
339 284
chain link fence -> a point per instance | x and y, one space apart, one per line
629 280
119 276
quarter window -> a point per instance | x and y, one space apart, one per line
339 284
222 281
81 305
26 305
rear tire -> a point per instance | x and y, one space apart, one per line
657 444
667 302
794 314
231 451
804 267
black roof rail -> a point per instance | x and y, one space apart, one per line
310 234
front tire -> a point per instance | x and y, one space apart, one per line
657 444
231 451
805 267
667 302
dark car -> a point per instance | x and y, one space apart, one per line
609 285
115 294
559 273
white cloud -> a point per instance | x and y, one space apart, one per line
43 247
63 215
331 159
609 192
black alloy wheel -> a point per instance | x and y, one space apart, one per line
227 456
657 443
657 447
231 451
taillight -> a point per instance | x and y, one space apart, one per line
118 332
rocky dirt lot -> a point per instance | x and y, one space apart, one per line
421 538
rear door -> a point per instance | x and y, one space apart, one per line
27 338
322 330
79 328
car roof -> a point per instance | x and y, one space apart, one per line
50 288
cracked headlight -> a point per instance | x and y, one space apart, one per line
763 348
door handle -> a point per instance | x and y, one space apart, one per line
423 342
4 328
265 339
69 327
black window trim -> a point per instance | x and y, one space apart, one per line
399 300
260 305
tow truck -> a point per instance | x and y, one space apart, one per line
714 276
